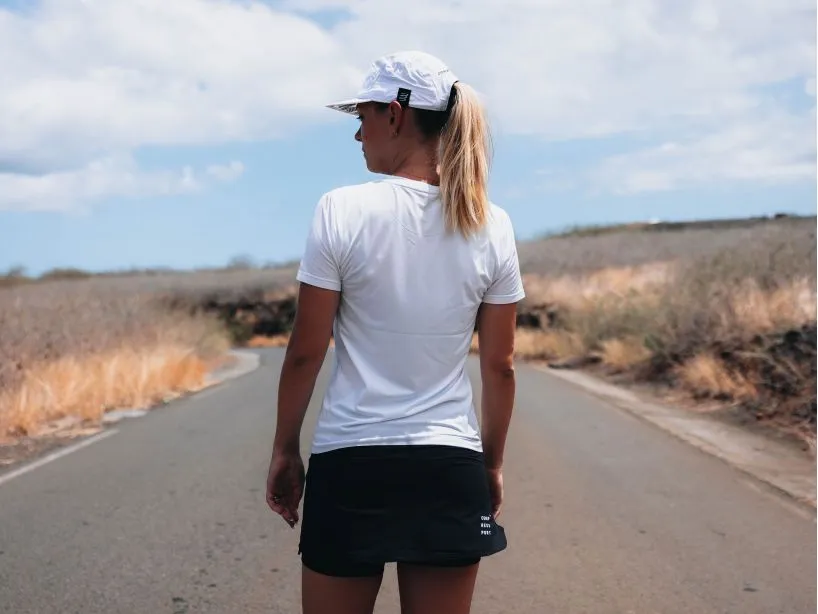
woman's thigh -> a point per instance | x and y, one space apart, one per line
323 594
426 589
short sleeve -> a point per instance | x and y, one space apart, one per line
319 264
507 286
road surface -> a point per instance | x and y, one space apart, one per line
605 514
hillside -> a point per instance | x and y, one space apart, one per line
720 311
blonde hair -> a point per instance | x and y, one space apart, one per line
464 158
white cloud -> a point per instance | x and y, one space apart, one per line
578 68
81 80
703 74
117 74
113 176
775 148
226 172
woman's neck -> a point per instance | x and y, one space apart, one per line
419 166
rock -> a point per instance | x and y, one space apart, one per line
576 362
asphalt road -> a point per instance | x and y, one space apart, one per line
605 514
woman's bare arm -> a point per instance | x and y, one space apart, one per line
496 327
305 354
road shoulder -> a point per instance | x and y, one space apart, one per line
775 464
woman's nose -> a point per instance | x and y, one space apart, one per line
358 135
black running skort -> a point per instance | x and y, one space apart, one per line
366 506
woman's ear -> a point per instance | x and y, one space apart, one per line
395 113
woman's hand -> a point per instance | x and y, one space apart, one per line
285 485
495 479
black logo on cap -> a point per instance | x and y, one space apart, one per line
403 96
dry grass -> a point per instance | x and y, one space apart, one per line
754 310
669 314
712 309
277 341
609 304
708 376
81 347
541 344
88 386
668 308
624 354
726 314
43 323
280 341
584 291
547 344
777 245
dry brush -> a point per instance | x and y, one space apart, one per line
86 346
724 312
727 315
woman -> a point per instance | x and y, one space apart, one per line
402 270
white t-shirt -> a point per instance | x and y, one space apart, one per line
410 292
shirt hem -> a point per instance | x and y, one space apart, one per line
504 299
425 440
326 284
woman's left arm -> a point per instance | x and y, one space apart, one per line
305 354
304 357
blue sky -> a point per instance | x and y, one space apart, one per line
184 136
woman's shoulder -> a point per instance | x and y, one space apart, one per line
498 221
350 206
357 201
354 192
498 214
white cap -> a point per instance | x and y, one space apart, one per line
415 78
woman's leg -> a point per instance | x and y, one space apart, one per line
321 594
436 590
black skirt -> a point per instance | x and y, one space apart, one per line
370 505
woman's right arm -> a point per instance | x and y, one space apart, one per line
495 329
496 325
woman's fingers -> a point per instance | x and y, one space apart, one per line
284 504
283 508
285 487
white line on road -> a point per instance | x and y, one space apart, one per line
55 456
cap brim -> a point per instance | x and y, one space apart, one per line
347 106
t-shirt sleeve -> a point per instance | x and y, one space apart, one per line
507 286
319 263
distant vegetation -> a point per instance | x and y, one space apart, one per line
83 345
720 311
725 313
17 275
660 226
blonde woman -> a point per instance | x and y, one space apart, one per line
401 270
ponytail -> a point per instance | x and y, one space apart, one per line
465 151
